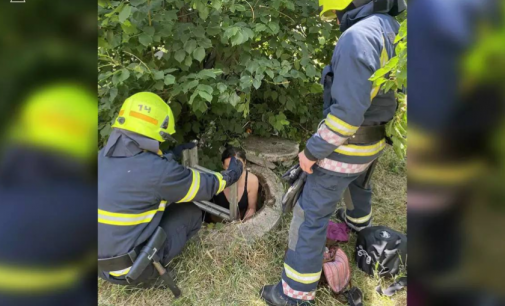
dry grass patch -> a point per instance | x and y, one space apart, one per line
234 274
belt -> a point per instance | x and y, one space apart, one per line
119 262
367 134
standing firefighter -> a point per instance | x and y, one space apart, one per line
140 189
342 152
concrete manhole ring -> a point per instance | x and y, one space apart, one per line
266 219
271 149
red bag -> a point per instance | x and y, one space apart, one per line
336 268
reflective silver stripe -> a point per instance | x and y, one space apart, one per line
362 150
121 220
193 189
304 278
112 218
163 205
340 126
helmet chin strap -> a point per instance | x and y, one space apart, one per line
170 138
167 136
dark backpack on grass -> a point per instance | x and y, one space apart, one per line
382 250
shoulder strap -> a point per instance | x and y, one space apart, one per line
246 176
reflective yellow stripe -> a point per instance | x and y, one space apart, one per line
304 278
356 150
31 279
222 183
111 218
120 272
360 220
193 189
340 126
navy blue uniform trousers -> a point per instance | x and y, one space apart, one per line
180 222
307 234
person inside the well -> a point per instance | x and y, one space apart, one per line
248 186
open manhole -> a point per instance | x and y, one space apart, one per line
266 218
262 153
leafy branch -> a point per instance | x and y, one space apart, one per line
393 76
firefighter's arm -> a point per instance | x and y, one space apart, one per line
180 184
355 60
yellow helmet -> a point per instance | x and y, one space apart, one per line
60 118
327 8
145 113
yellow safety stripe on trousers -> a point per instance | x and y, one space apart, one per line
222 183
120 272
384 59
340 126
304 278
193 189
357 150
120 219
364 219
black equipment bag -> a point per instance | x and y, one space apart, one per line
382 250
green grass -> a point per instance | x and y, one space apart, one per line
234 274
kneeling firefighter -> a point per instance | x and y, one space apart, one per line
144 195
342 153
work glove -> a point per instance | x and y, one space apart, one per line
233 173
177 151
